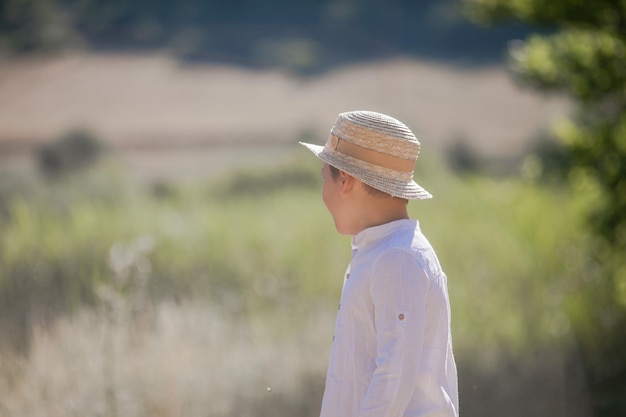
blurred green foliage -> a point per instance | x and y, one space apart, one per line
216 241
514 262
304 36
585 59
260 244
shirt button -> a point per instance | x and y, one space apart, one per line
401 316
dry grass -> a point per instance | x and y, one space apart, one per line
188 360
193 360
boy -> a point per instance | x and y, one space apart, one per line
392 350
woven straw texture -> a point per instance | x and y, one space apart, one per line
377 133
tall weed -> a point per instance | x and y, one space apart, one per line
101 249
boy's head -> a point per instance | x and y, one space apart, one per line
376 149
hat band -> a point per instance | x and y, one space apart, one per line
371 156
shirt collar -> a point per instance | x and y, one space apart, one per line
372 234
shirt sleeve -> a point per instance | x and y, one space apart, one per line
398 290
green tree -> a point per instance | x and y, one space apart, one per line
583 56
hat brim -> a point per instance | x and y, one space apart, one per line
395 187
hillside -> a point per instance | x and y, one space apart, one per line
141 102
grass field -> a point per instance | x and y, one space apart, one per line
217 298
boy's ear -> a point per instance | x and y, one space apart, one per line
347 182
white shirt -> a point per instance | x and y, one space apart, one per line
392 350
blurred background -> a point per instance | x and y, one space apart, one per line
164 249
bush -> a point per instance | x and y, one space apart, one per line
72 152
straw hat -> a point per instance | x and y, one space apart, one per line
377 149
